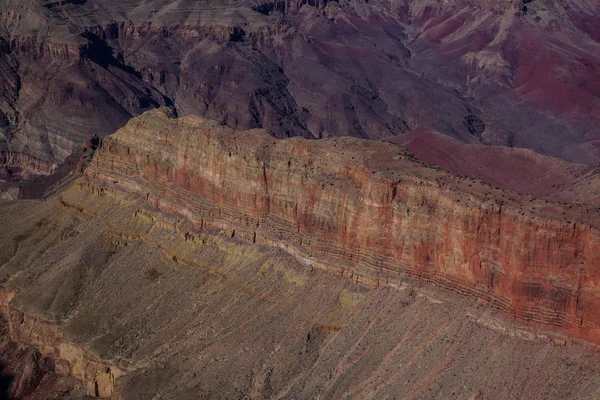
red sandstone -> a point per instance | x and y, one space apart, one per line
368 210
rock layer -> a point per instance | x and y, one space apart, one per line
474 70
189 315
366 210
502 167
43 336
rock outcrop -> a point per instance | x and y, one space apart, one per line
547 177
54 358
135 304
473 70
367 210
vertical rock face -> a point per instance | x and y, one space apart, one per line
55 354
368 210
107 285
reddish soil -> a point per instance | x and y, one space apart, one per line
521 170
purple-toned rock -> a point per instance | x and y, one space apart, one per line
484 72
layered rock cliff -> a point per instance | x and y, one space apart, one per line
367 210
132 302
473 70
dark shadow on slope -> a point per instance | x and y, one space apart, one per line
5 382
61 3
102 54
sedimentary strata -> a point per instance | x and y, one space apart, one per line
101 287
367 210
473 70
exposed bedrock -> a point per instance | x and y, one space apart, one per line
474 71
367 210
99 286
43 363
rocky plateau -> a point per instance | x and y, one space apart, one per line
293 199
192 260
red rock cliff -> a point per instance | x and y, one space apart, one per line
367 210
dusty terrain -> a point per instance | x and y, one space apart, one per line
367 209
203 257
520 170
492 72
180 316
183 269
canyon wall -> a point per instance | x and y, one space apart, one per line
98 286
367 210
476 71
64 358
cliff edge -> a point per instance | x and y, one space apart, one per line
367 210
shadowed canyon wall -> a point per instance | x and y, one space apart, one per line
367 210
476 71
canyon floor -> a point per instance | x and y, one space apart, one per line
112 293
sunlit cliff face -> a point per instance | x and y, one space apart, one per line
196 259
475 71
367 209
299 199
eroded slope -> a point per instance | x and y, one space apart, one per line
368 210
136 304
477 71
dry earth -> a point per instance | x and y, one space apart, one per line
106 295
485 72
205 317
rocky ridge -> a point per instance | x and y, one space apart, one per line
367 210
100 278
